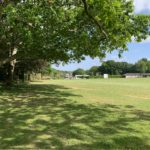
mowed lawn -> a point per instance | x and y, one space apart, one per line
76 115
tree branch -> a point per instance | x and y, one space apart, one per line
93 19
3 62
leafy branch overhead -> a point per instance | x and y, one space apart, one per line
98 23
67 30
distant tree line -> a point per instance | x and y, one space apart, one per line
112 67
24 69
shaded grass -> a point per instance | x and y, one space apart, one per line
61 116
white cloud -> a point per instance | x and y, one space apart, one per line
142 6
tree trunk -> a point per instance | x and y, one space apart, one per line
10 74
22 76
11 67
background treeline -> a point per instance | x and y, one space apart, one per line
112 67
28 70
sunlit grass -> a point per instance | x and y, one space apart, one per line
76 115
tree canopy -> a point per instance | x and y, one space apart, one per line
78 72
67 30
116 68
112 67
93 71
60 30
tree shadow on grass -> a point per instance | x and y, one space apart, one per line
46 117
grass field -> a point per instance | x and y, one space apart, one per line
76 115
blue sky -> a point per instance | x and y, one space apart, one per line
136 50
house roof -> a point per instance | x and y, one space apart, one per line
137 74
82 75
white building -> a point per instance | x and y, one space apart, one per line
137 75
68 76
82 76
105 76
